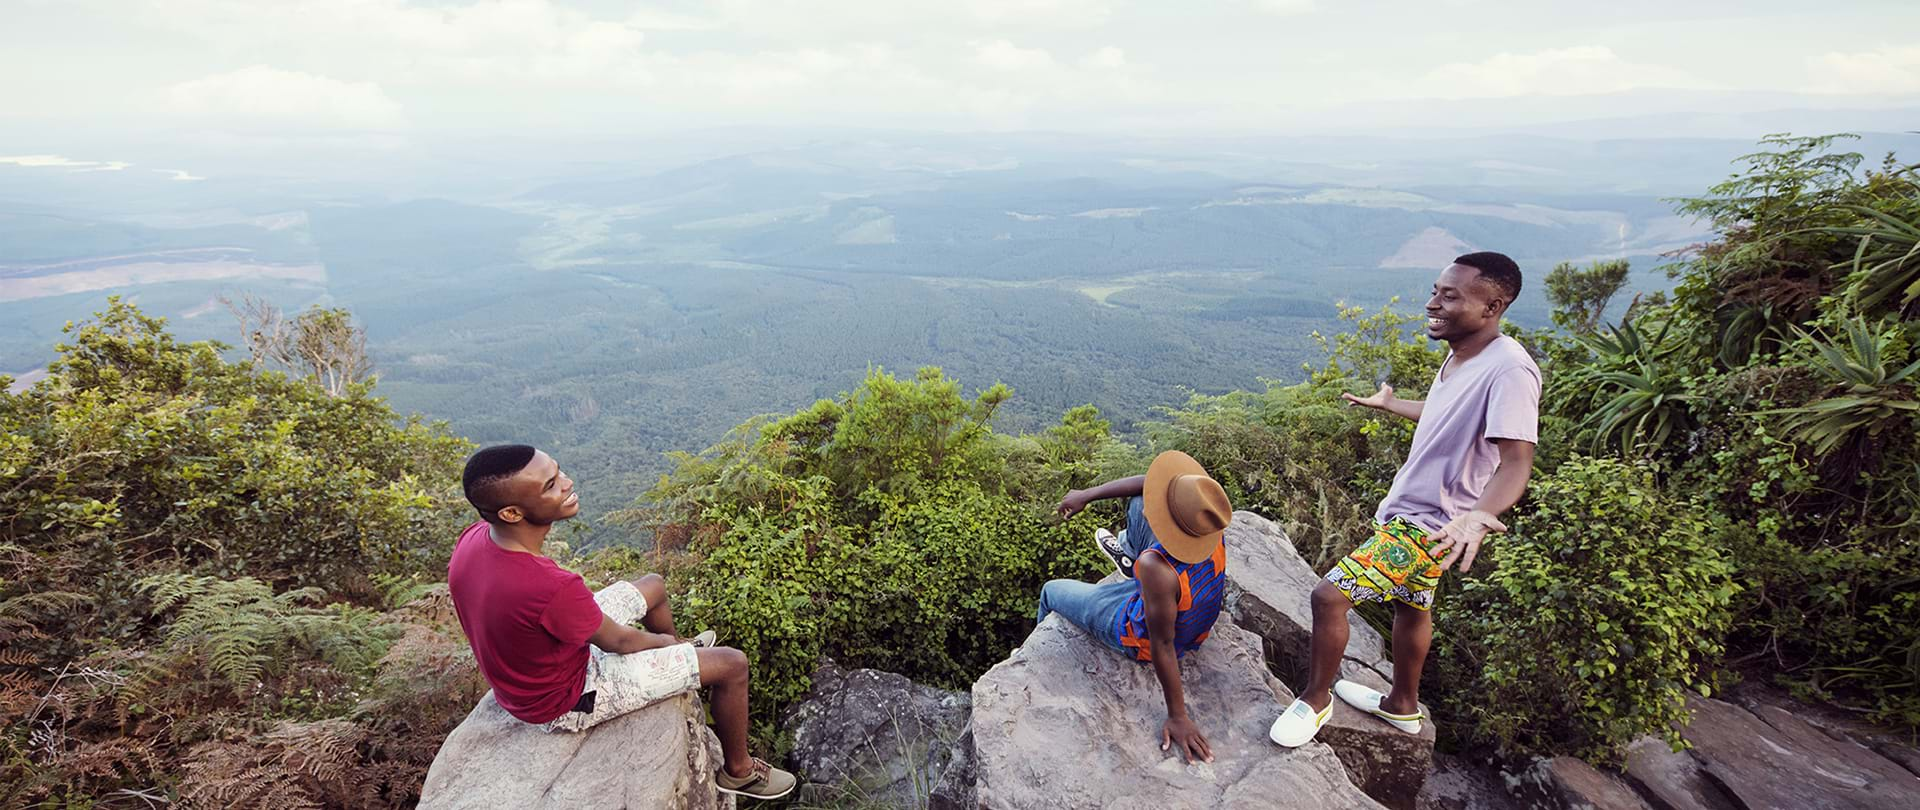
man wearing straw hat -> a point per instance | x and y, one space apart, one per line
1175 567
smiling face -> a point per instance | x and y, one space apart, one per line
1463 304
539 494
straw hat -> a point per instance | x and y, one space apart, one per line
1186 508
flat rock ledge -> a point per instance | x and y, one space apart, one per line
1068 723
662 757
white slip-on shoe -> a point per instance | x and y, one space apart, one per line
1368 700
1299 723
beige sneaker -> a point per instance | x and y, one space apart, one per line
766 782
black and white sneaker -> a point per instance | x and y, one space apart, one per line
1110 546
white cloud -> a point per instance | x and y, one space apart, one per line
1108 58
1039 13
265 96
1581 70
1282 7
482 42
1885 70
1000 54
63 162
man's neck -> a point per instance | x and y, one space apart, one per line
1466 348
519 536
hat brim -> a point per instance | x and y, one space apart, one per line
1187 548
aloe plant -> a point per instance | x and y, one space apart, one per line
1869 395
1650 400
1886 263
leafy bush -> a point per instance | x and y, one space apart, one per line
1600 611
183 541
890 527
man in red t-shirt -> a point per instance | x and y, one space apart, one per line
562 657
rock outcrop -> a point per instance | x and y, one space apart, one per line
1270 591
1566 783
662 757
874 735
1765 756
1068 723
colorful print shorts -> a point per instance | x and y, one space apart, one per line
1393 565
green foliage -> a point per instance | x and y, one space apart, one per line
1580 296
1640 398
1871 396
893 506
1777 386
1386 346
240 631
182 540
1598 615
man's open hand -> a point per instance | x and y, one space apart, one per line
1460 538
1071 505
1182 732
1378 401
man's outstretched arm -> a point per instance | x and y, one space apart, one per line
621 639
1384 400
1078 499
1160 589
1460 538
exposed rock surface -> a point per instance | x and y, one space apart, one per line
1769 757
1456 784
874 735
1068 723
662 757
957 789
1270 591
1566 783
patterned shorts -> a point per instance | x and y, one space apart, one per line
634 681
1393 565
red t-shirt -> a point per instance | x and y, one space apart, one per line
528 621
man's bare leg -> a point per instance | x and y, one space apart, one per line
659 616
1412 635
1330 630
724 670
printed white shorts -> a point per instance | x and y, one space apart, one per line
634 681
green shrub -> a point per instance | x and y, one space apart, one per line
890 528
1598 614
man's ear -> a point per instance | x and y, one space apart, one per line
511 514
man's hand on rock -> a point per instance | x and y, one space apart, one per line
1071 505
1182 732
1460 538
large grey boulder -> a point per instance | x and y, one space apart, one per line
1566 783
1766 756
662 757
1270 591
1069 723
874 736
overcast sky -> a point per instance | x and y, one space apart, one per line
564 66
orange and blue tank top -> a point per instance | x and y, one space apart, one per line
1203 590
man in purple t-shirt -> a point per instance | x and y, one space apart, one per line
1472 452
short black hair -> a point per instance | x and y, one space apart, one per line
1496 268
487 470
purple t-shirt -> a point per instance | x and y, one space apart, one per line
1495 395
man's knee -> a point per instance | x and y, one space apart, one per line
724 664
654 588
1328 600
